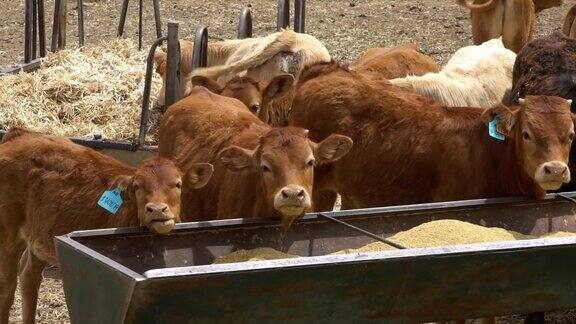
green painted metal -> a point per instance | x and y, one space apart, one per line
170 279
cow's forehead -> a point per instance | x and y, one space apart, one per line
547 115
155 171
285 142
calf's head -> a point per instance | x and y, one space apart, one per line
542 130
283 163
255 95
155 189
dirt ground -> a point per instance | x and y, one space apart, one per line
347 28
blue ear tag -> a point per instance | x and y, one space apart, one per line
111 200
493 130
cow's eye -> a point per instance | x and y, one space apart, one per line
310 163
178 185
526 136
265 168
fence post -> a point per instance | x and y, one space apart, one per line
299 16
62 23
283 17
80 23
122 19
172 65
157 18
41 29
28 40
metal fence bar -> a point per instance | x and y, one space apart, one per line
62 23
80 23
172 65
157 18
122 19
41 29
34 29
200 54
245 24
140 16
299 16
28 31
144 114
283 17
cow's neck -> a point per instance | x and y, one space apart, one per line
504 167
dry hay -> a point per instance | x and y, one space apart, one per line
51 304
257 254
95 90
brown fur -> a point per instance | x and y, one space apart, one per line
569 27
409 150
51 186
209 127
270 101
514 20
395 62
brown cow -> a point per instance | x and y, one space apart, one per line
395 62
271 102
514 20
51 186
259 171
409 150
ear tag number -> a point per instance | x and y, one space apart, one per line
111 200
493 130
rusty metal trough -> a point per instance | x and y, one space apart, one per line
131 276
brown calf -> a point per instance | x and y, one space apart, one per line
51 186
410 150
270 101
395 62
259 171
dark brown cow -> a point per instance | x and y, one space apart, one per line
271 101
395 62
51 186
410 150
259 171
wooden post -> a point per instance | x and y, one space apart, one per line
122 19
34 28
172 65
140 17
62 23
157 18
28 31
41 28
245 24
80 23
55 24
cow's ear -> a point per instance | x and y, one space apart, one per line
213 86
332 148
507 118
279 86
236 158
199 175
125 184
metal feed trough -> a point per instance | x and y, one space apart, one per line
132 276
135 151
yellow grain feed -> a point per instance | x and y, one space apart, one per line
95 90
258 254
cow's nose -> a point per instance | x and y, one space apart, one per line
293 192
555 168
158 208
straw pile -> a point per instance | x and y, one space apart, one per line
95 90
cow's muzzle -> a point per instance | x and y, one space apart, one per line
551 175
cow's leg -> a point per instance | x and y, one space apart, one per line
10 252
30 279
487 25
519 18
